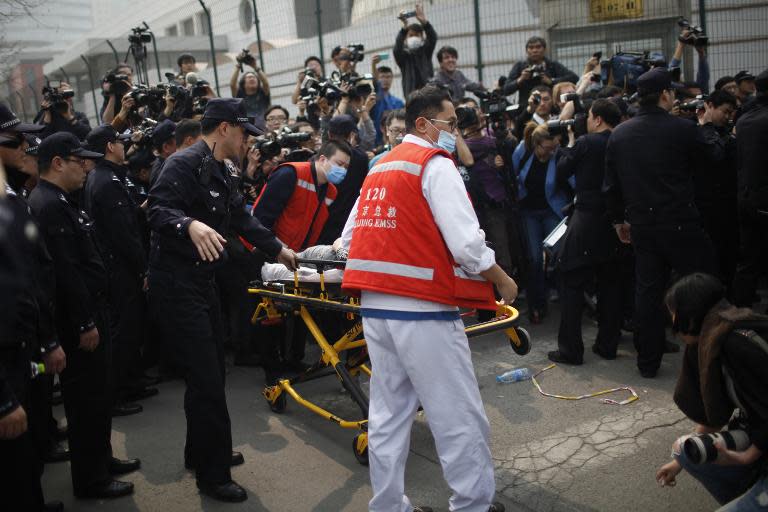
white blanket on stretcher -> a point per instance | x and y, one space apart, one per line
307 274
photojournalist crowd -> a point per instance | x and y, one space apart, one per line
627 192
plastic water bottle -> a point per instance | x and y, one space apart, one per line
515 375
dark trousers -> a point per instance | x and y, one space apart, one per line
86 386
609 308
186 305
658 251
42 424
237 304
20 465
128 319
753 264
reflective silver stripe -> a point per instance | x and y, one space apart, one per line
307 185
387 267
397 165
328 201
458 272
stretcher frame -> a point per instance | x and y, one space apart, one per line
280 300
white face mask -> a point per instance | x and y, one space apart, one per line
413 43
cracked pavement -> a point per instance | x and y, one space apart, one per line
549 454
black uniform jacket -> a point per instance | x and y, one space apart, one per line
194 186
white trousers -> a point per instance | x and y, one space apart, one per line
427 362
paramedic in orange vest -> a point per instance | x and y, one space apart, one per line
294 206
416 252
294 202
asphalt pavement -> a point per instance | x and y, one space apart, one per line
549 454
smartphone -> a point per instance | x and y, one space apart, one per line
383 56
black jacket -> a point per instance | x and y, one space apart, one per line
195 186
415 65
650 163
716 182
556 71
751 146
347 193
78 125
81 280
590 238
115 219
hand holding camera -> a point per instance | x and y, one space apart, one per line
245 57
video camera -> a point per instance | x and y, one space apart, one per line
198 105
356 52
314 87
271 144
695 104
56 97
177 91
361 85
151 97
245 57
139 36
560 127
403 16
496 107
695 35
536 70
146 128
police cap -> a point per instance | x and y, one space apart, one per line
62 144
656 80
99 137
230 110
10 123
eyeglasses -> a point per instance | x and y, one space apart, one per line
452 124
79 161
396 131
277 118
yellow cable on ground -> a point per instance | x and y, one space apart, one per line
590 395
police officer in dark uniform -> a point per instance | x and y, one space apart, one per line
81 317
751 144
118 237
164 144
193 203
650 161
590 247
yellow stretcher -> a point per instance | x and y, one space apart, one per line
346 357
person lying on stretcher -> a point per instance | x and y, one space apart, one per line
308 273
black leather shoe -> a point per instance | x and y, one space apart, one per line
237 459
597 350
107 490
229 491
496 507
126 409
57 453
53 506
558 357
121 467
671 348
141 394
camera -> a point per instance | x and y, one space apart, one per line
466 117
495 107
560 127
245 57
701 449
111 78
314 87
198 105
271 144
139 36
695 104
176 91
356 52
406 14
146 128
56 97
695 36
536 70
362 85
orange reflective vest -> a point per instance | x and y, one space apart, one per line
303 218
396 245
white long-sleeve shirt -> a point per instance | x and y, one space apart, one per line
446 195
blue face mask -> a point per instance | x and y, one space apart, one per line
336 174
446 141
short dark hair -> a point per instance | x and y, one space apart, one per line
394 114
276 107
609 91
722 81
208 126
187 128
447 50
335 52
542 88
311 58
721 97
690 299
331 147
415 27
385 69
184 57
424 102
606 110
536 40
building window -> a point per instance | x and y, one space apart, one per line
246 16
202 21
172 31
188 27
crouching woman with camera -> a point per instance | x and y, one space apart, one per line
723 372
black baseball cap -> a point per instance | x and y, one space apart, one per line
97 139
230 110
163 132
10 123
743 75
342 125
761 81
63 144
656 80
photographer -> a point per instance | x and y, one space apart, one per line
57 113
311 64
450 77
276 118
394 128
539 109
413 50
536 70
114 87
687 37
590 250
187 64
385 101
723 371
253 87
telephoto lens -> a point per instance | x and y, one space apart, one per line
701 449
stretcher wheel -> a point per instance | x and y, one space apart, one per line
280 403
525 341
360 448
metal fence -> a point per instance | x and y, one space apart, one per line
489 35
